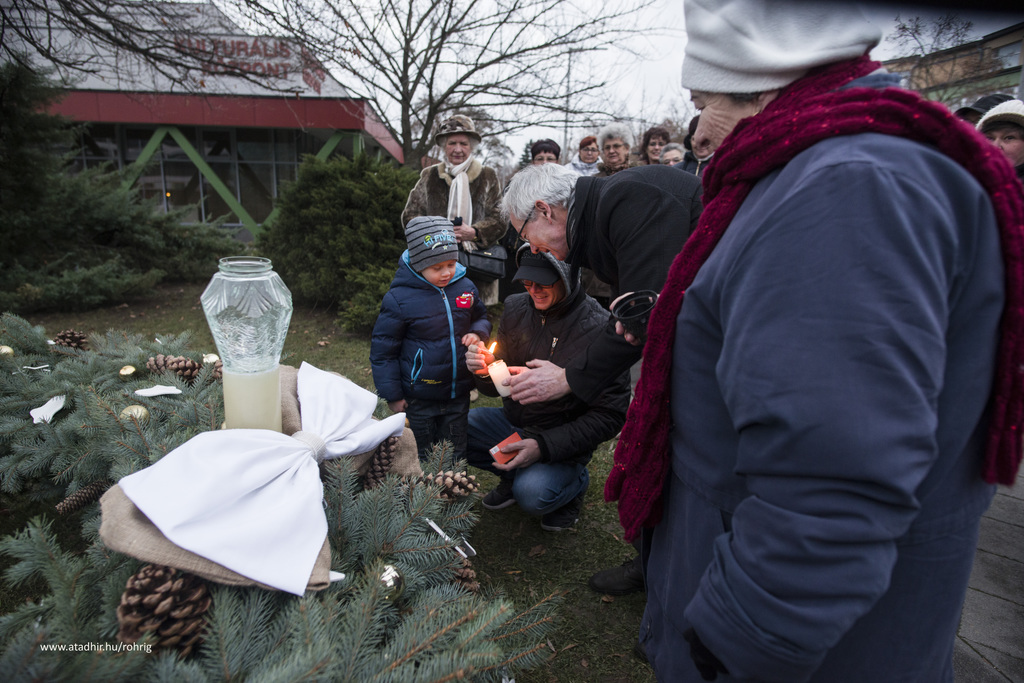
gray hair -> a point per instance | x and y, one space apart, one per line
615 131
674 146
551 183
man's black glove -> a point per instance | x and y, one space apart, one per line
707 663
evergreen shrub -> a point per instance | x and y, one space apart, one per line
72 241
359 313
339 225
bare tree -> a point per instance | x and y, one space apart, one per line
418 61
124 38
931 62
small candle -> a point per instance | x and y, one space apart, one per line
499 373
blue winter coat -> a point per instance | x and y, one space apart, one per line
832 364
416 350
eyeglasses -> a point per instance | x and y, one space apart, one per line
521 230
530 284
617 145
592 150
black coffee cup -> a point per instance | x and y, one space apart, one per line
634 311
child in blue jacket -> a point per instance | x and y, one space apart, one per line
431 313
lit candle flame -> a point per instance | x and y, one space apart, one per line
491 349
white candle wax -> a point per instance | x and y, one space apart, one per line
253 401
499 373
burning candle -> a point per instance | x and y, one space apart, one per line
499 373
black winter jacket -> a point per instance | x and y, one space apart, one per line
628 229
566 429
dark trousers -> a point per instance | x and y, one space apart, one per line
433 421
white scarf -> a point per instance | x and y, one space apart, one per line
459 201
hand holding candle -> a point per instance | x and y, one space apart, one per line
498 371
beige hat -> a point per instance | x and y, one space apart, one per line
746 46
456 124
1011 111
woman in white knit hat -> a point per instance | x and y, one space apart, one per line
812 442
1003 125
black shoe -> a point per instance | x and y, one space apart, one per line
564 517
501 496
627 578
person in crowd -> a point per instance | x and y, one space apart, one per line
652 143
545 152
627 228
428 317
615 141
831 380
553 320
672 154
973 113
1003 125
461 187
586 160
691 162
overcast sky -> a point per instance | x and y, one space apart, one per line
651 86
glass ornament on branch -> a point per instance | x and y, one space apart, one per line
248 308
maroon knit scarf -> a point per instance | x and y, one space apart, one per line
806 112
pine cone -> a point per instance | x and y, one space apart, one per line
381 463
158 363
453 484
186 368
467 577
82 497
71 338
166 602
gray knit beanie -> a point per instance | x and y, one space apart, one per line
431 240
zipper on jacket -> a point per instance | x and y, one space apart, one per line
554 342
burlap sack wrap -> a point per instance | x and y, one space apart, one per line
245 506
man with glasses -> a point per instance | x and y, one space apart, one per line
627 228
547 475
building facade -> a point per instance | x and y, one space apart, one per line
224 146
958 76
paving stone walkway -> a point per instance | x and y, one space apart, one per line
990 642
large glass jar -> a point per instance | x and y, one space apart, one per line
248 309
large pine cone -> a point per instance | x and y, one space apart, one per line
381 463
71 338
166 602
186 368
82 497
453 485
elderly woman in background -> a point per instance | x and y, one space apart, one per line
585 161
545 152
650 147
615 141
461 187
672 154
1003 125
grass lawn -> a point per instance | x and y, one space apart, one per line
595 637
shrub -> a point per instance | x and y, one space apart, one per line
359 313
72 241
339 223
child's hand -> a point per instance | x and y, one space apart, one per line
470 339
398 406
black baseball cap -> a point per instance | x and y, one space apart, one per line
985 103
537 268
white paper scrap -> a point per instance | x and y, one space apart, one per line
45 412
158 390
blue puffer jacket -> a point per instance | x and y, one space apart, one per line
416 350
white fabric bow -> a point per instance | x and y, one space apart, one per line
251 499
